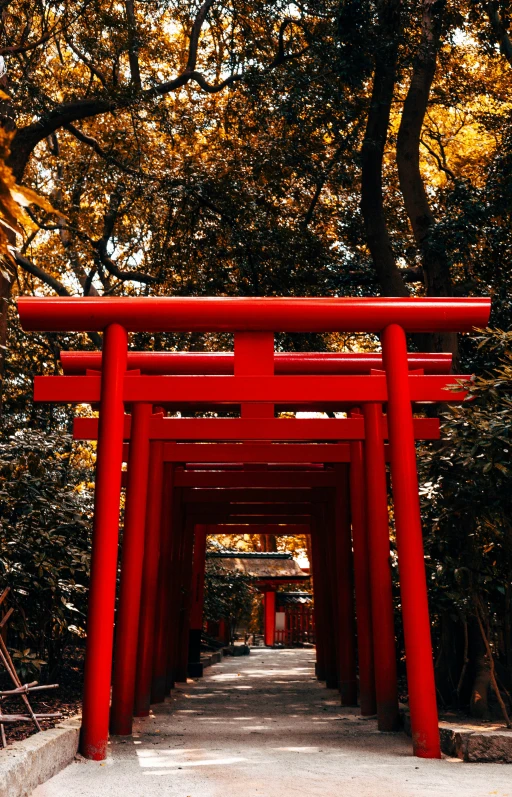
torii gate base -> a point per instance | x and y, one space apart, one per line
391 318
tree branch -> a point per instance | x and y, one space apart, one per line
323 178
24 48
440 164
133 44
194 36
101 245
53 283
98 149
90 66
31 268
27 138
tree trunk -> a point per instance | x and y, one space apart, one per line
436 267
268 542
6 270
481 671
372 203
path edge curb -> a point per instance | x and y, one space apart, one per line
25 765
469 744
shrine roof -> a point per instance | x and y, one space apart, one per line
260 564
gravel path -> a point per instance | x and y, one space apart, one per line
262 726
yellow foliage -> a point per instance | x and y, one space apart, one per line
13 198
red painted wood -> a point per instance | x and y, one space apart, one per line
235 496
217 512
413 586
345 589
220 453
270 618
223 314
273 480
334 641
383 622
262 520
318 606
254 356
196 362
367 699
266 528
325 588
205 429
185 574
102 589
180 530
127 620
149 583
196 610
163 601
317 391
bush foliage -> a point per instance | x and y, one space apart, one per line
45 539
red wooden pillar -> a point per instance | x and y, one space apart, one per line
254 356
184 605
176 566
318 606
367 697
380 571
197 600
127 621
147 618
330 576
345 585
163 601
413 585
327 570
269 608
102 590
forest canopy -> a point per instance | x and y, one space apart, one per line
327 148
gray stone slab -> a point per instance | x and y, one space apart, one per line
26 764
470 742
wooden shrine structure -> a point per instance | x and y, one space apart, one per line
322 476
268 569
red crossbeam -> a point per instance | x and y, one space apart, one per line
279 429
272 453
222 314
239 496
266 528
255 478
289 390
248 509
192 362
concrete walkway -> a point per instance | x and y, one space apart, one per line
261 726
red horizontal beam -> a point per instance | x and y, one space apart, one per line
290 390
241 453
279 429
262 519
192 362
299 457
227 314
266 528
270 480
232 497
251 510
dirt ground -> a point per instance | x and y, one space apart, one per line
262 726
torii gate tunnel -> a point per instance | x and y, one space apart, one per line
187 477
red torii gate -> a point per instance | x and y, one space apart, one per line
390 317
387 705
